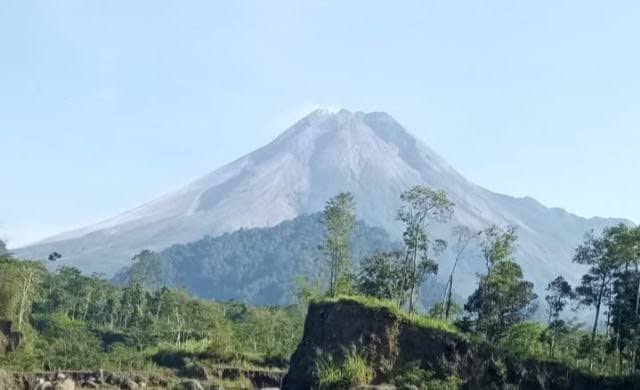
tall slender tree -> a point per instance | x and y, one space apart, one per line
503 298
497 244
381 276
559 294
625 307
421 206
600 255
339 221
464 237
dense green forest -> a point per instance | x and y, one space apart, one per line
258 266
67 320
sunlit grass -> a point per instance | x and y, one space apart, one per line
353 370
356 369
329 374
420 320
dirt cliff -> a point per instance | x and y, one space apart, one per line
390 341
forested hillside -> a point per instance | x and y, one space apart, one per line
258 266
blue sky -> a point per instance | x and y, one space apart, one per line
107 104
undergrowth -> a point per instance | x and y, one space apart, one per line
352 370
412 376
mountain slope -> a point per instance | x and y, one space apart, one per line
370 155
256 265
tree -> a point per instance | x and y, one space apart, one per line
54 256
19 288
147 270
455 311
420 207
339 221
497 244
623 318
30 275
68 344
3 249
600 255
623 299
464 236
502 298
307 289
381 276
525 339
560 293
626 250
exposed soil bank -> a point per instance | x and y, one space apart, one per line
390 343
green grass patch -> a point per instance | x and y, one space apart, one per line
352 371
420 320
330 375
412 376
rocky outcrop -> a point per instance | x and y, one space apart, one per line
390 342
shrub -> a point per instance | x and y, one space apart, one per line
356 370
329 375
525 340
412 376
353 371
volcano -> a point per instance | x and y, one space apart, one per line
368 154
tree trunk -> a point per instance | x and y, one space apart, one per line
405 279
444 309
448 295
595 324
26 286
86 309
635 337
412 297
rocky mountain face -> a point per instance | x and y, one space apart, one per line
368 154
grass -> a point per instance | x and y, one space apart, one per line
412 376
329 375
420 320
356 369
352 371
239 383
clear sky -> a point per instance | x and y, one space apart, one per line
107 104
